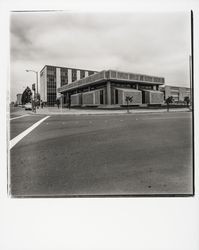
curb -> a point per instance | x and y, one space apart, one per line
131 113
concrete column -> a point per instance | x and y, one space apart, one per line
108 92
154 87
78 74
136 85
58 80
69 76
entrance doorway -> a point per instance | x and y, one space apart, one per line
143 97
116 96
101 96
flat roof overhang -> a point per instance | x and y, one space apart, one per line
136 81
69 88
99 78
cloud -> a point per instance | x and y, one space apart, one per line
151 43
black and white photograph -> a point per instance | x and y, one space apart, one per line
101 104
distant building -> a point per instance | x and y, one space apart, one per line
110 87
54 77
178 93
19 102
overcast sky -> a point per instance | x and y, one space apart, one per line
148 43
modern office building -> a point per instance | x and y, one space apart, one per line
178 93
19 102
54 77
111 88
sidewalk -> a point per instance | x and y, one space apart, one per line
65 111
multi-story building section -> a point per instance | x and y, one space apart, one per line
54 77
178 93
111 88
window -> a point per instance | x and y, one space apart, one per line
82 74
51 99
74 75
64 76
90 73
122 75
141 78
148 78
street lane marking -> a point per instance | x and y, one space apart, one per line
18 117
165 118
19 137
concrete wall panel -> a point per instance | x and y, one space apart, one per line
88 98
137 97
76 100
123 93
156 98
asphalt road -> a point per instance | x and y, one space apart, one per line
139 154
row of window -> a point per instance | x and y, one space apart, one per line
150 87
51 75
51 99
51 85
123 75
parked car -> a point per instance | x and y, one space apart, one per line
28 106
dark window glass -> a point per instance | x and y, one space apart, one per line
74 75
90 73
51 99
101 97
150 87
116 96
82 74
64 76
141 78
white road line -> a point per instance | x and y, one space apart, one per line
165 118
18 117
19 137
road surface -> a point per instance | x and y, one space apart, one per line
135 154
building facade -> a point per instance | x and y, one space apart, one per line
178 93
111 88
54 77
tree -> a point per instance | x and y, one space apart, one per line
26 96
168 101
128 99
187 100
37 99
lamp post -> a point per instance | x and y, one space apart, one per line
36 72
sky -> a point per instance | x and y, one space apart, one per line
148 43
